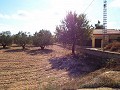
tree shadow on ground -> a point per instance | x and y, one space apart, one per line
16 50
6 48
76 66
64 46
39 51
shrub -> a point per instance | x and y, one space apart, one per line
113 64
108 47
115 46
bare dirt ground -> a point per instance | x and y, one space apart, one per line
50 69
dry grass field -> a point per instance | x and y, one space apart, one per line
50 69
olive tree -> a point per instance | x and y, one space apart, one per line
21 39
5 39
42 38
74 29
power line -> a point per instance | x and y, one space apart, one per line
88 6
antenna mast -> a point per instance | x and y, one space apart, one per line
104 23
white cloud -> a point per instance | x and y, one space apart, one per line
4 16
69 5
113 25
48 18
20 14
11 28
32 21
115 3
35 20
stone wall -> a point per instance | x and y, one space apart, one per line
101 53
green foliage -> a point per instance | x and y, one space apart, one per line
22 39
84 30
5 39
61 34
42 38
74 30
98 26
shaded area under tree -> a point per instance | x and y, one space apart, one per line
77 66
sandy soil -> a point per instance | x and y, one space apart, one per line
35 69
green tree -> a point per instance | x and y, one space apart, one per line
74 30
61 34
21 39
98 25
42 38
5 39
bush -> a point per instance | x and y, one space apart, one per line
115 46
113 64
108 47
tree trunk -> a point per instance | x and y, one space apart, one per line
23 47
42 47
4 46
73 48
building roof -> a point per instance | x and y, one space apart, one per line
109 32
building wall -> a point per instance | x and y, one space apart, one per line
98 39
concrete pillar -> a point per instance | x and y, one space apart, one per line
102 43
93 42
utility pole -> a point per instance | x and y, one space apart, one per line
104 31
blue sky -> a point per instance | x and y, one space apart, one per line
34 15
